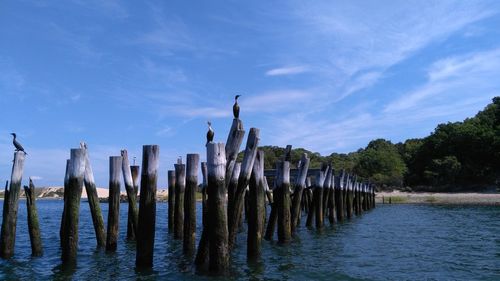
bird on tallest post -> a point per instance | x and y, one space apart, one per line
210 133
17 145
236 107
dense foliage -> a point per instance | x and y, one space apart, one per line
456 155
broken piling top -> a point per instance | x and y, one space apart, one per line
216 160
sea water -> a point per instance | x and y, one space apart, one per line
390 242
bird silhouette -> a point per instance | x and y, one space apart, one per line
210 133
17 145
236 107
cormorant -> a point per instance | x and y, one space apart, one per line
236 107
17 145
210 133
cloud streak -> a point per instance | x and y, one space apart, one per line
290 70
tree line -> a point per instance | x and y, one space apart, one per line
456 156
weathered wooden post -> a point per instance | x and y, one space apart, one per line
115 168
350 200
339 196
331 200
95 207
283 202
33 225
243 179
133 213
180 188
311 206
147 206
373 196
232 186
171 200
318 195
234 140
135 180
188 244
217 224
300 184
256 200
73 190
273 215
66 179
10 207
202 253
326 190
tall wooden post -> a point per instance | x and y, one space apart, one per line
171 200
350 203
232 185
273 215
331 200
202 253
95 207
33 225
318 195
73 189
10 207
283 202
339 196
147 206
243 180
66 179
217 224
234 140
133 212
180 187
115 168
300 184
192 161
256 200
131 235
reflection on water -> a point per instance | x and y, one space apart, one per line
391 242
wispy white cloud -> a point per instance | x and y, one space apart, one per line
354 39
287 70
452 79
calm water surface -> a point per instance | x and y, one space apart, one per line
391 242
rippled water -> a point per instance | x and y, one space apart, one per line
391 242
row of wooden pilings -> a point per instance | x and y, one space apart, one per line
229 189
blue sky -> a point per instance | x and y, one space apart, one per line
328 76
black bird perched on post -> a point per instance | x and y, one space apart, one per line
17 145
210 133
236 107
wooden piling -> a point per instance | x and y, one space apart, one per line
217 224
300 184
188 245
171 200
131 235
234 140
318 195
339 197
93 199
147 206
231 187
331 201
202 252
10 207
256 200
33 225
180 187
73 190
66 178
326 190
283 202
115 169
133 212
243 180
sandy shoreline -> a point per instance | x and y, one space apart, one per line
397 197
